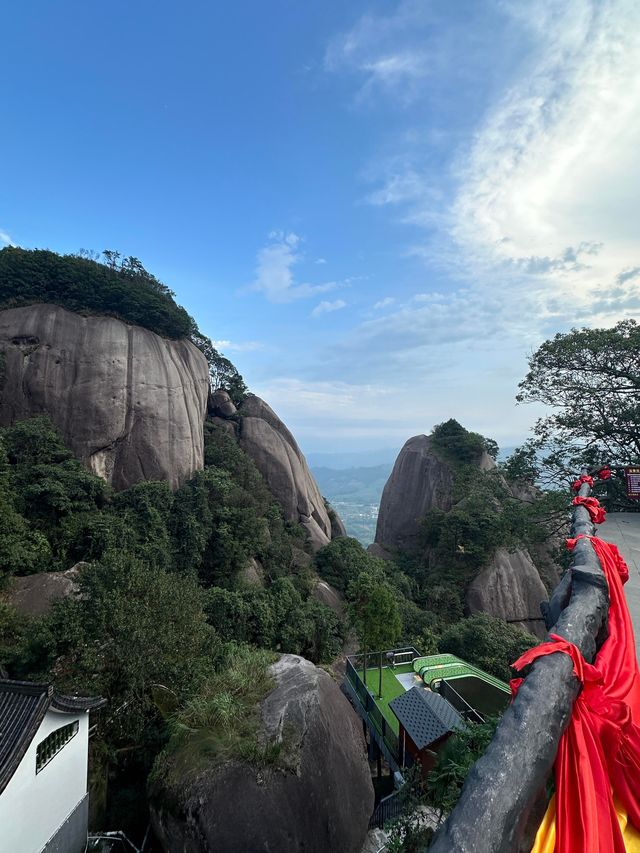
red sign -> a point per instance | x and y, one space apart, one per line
633 481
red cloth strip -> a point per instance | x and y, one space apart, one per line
585 478
597 513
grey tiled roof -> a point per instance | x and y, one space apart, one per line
23 705
425 716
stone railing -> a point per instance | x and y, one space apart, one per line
503 799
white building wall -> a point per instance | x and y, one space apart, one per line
33 806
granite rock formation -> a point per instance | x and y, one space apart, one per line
318 797
277 456
129 403
510 588
34 595
419 481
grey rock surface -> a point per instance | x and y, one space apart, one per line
419 481
511 589
265 438
319 798
253 573
220 403
33 595
129 403
337 525
327 595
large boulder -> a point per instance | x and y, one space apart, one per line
420 481
317 798
129 403
34 595
277 456
510 588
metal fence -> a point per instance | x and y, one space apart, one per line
389 808
452 696
375 716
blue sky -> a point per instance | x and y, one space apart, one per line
377 209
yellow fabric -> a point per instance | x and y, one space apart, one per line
546 836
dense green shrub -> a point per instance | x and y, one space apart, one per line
460 753
86 286
489 643
457 444
342 560
276 617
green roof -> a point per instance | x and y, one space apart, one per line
450 667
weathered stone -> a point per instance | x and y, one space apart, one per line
34 595
376 550
230 427
511 589
220 403
337 525
253 573
277 456
419 481
319 798
327 595
129 403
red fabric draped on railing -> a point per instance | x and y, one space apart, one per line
599 753
597 513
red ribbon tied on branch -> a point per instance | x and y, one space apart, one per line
585 478
597 512
604 473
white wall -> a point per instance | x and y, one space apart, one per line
33 806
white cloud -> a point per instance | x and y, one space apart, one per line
274 270
327 307
6 239
238 346
390 52
320 261
554 164
384 303
542 197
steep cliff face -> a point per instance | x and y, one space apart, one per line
274 450
420 481
129 403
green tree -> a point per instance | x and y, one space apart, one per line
591 378
342 560
375 615
489 643
133 626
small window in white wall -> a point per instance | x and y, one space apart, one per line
53 743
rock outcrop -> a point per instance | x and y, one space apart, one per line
510 588
34 595
317 798
129 403
277 456
419 481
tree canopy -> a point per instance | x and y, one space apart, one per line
591 378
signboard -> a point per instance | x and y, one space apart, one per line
633 481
